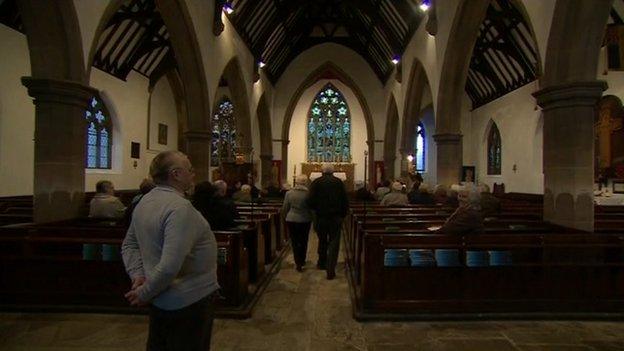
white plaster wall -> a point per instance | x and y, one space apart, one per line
17 116
128 104
162 110
297 149
521 135
353 65
540 13
89 14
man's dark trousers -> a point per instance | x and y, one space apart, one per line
186 329
328 230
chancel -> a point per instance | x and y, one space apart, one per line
278 102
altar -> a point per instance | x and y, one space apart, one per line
344 171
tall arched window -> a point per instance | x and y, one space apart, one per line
99 135
329 127
494 150
420 148
223 133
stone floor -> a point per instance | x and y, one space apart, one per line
304 311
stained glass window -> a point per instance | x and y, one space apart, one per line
494 151
329 127
420 148
223 133
99 135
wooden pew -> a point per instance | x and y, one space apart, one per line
551 273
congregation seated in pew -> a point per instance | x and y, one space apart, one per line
362 193
467 218
211 201
105 204
420 196
382 190
396 197
490 204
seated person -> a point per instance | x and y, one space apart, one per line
421 196
490 204
467 218
439 194
104 204
382 190
146 186
218 209
243 195
362 193
451 196
396 197
274 191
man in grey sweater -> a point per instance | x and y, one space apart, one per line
170 253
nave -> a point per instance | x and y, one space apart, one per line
304 311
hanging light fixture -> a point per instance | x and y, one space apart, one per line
227 8
424 5
261 64
396 59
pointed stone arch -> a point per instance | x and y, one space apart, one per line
390 138
195 137
325 71
418 83
233 74
457 56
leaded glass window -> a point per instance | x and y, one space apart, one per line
99 135
329 127
420 148
494 151
223 133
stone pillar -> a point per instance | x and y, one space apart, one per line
568 111
197 148
449 158
285 173
371 164
60 132
266 165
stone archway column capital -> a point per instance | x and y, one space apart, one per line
285 141
65 92
570 94
447 138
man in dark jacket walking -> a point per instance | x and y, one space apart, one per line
328 200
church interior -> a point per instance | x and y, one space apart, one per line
519 100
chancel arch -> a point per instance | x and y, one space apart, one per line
318 136
327 71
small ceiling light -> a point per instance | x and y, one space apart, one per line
424 5
227 8
396 59
261 64
410 158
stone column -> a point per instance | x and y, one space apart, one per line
197 148
60 132
568 111
371 164
265 164
449 157
285 173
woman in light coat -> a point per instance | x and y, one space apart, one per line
298 218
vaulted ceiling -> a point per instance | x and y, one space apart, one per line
276 31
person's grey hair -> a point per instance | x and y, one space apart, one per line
301 179
423 188
359 184
221 186
327 168
246 188
473 197
102 186
397 186
162 164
